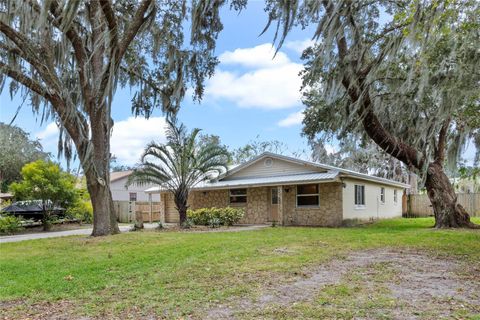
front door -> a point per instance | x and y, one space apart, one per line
274 204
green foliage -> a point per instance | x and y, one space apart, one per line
45 181
361 156
187 224
181 163
256 147
16 150
5 203
10 224
81 210
215 217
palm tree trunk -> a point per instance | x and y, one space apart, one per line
181 199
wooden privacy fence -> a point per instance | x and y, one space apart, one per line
418 205
125 210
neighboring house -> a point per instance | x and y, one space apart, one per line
290 191
133 192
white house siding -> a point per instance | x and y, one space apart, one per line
278 168
120 193
373 207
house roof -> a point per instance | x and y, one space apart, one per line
262 181
114 176
6 195
331 174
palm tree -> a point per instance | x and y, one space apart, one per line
180 164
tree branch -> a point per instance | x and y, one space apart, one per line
138 20
112 24
30 55
357 92
78 48
26 81
442 138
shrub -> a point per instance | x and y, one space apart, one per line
10 224
187 224
81 210
215 216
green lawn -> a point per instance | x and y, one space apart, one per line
184 274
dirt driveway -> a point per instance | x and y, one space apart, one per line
369 284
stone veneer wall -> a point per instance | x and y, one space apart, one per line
256 208
329 213
208 199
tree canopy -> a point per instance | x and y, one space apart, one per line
404 73
17 149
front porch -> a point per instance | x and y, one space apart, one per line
312 204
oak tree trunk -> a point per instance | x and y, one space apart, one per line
97 172
448 213
104 219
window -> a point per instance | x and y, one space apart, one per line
238 196
274 195
359 195
133 196
382 195
395 198
307 195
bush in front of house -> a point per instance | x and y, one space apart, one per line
81 210
10 224
215 216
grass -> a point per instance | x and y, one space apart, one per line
183 274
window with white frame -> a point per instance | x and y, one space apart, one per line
238 196
308 195
382 195
359 195
133 196
395 197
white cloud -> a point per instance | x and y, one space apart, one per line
299 45
261 56
130 136
267 84
292 119
51 131
128 140
330 148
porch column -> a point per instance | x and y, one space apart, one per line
163 207
150 206
280 205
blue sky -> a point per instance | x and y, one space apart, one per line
250 95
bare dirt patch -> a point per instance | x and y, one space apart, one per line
417 284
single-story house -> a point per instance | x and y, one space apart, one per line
290 191
131 193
